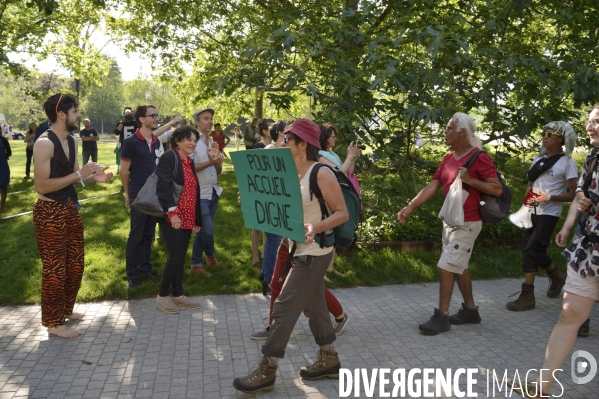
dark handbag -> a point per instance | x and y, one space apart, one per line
147 201
492 209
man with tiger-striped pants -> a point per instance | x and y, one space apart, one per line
58 226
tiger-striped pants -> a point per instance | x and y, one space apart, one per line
59 233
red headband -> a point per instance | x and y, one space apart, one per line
60 98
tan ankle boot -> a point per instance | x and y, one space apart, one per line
327 365
261 379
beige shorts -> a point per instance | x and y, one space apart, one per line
458 243
587 287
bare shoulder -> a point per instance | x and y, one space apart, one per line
43 144
326 175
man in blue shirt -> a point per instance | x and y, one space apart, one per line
139 156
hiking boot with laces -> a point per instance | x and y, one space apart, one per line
466 315
584 329
439 322
525 301
557 278
261 379
262 334
327 365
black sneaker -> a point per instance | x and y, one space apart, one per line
152 275
339 326
133 284
584 329
439 322
466 315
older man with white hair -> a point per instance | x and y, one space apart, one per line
458 241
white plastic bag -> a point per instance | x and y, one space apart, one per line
452 211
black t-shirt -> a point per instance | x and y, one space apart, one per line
129 128
89 145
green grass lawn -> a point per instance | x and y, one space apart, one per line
106 221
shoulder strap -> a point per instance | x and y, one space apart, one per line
315 190
470 161
541 166
176 164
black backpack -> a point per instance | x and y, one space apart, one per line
343 235
493 209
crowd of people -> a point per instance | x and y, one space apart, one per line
553 180
188 193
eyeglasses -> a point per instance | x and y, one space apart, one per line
153 116
549 134
592 122
287 138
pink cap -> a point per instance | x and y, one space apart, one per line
307 130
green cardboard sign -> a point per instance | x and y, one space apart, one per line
271 200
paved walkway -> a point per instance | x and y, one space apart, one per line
131 349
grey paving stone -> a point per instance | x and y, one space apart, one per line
137 351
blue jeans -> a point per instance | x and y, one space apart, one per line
90 153
269 259
204 239
139 245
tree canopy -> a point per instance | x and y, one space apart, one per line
390 67
384 69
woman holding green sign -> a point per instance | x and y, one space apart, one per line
304 288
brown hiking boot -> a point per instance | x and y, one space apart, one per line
525 301
261 379
558 280
327 365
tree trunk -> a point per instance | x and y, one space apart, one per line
258 103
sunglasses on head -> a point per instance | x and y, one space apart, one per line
280 126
